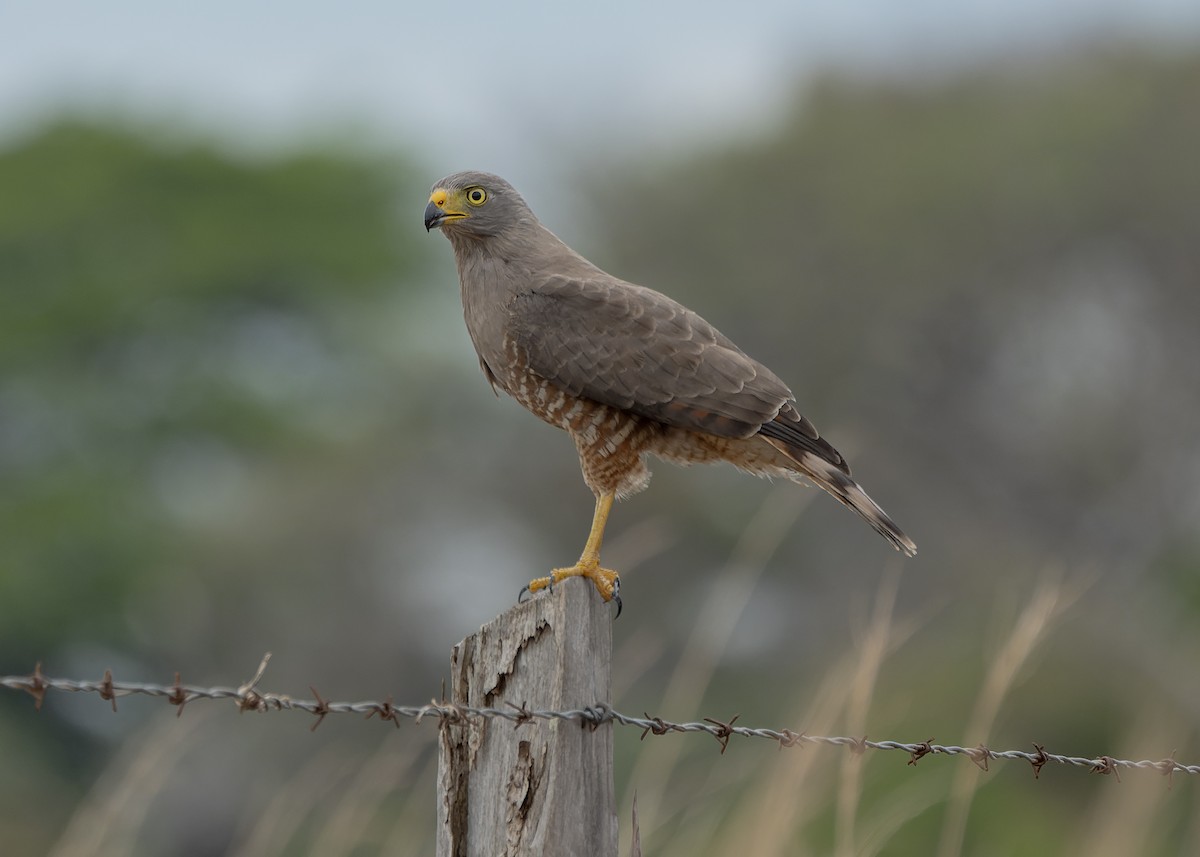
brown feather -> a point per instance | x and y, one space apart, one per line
629 347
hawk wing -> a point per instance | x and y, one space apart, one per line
632 348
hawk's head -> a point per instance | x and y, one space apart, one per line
474 203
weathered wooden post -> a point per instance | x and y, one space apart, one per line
543 788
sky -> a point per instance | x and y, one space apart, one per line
507 86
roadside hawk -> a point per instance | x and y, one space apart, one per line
626 371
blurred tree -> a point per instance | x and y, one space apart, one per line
166 310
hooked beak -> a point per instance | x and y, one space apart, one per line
440 209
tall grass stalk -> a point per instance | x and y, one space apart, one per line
1048 602
731 591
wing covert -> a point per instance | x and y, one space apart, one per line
632 348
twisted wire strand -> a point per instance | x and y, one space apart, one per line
247 698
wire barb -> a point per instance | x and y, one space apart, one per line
321 709
1106 765
923 750
654 725
1167 768
247 697
106 690
524 715
177 697
788 738
980 756
1039 759
723 730
36 687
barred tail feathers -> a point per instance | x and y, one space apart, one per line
847 492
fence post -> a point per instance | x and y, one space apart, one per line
544 787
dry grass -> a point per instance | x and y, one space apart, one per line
711 634
782 807
379 799
110 819
1048 602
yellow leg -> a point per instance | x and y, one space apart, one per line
604 579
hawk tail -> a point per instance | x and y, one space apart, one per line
846 491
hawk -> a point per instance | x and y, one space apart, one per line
626 371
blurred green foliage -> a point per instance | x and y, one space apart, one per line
150 282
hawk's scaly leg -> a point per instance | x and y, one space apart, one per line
606 581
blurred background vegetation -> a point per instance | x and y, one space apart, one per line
239 413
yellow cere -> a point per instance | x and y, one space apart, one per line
438 197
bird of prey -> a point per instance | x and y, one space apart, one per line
626 371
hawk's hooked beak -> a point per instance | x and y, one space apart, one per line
441 207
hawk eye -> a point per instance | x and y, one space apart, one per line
476 196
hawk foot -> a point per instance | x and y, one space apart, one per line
606 581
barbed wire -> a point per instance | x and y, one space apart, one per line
248 698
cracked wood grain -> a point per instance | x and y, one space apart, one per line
539 787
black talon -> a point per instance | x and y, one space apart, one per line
521 595
616 596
